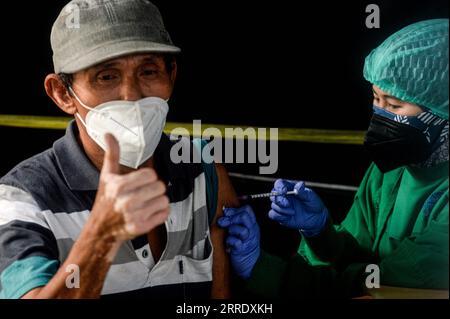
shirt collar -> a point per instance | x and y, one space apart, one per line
78 171
165 167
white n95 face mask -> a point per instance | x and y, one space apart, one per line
137 126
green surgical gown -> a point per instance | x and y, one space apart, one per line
398 221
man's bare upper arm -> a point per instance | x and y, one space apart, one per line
226 194
221 267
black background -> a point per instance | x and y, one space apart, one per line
260 63
257 63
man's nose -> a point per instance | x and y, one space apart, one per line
130 89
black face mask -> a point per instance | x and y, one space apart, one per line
392 144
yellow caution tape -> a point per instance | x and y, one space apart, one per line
207 130
31 121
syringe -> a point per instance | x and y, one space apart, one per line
264 195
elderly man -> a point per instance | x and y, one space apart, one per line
105 212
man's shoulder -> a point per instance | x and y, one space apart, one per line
39 169
176 155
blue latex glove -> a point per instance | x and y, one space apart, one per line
242 240
304 211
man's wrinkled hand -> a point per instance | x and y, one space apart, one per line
128 205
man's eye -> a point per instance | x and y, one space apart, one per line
107 77
148 72
392 106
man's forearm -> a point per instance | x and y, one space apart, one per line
92 255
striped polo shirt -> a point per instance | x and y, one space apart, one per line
45 201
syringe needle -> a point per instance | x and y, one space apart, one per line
265 195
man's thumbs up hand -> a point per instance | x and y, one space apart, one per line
129 205
112 155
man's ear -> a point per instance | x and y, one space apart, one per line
58 92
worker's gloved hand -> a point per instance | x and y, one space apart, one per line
303 211
243 238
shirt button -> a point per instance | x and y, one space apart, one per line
145 253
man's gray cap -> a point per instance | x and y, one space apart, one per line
88 32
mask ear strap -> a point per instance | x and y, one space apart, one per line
78 99
82 104
81 119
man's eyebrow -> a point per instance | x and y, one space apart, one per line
110 64
150 59
106 65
